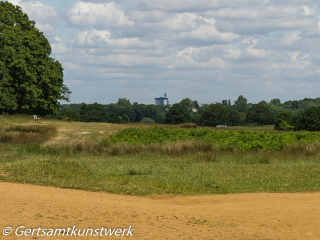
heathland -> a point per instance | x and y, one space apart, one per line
143 159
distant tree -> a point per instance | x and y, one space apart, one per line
113 118
73 106
263 102
160 117
124 102
124 106
295 105
125 118
275 102
260 114
306 103
225 102
140 111
188 103
236 118
195 104
94 113
70 114
214 114
241 101
177 114
309 119
283 121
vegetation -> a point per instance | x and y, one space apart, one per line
177 114
285 116
97 157
309 119
241 140
30 80
147 120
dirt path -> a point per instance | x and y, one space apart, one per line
240 216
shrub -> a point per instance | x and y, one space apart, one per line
283 125
147 120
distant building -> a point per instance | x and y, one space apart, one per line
162 100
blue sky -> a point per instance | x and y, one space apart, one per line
206 50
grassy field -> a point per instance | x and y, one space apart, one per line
81 156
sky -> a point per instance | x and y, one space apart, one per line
206 50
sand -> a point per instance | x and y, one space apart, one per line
235 216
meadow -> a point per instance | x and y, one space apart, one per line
144 159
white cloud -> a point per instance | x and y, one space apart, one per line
190 5
209 34
308 11
102 39
100 16
44 15
58 47
289 39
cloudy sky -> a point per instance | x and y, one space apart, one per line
207 50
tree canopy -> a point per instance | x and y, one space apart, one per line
214 114
177 114
30 80
309 119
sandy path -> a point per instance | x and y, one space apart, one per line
240 216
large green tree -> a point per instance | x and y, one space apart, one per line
30 80
241 101
177 114
214 114
260 114
309 120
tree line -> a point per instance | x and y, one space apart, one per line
285 116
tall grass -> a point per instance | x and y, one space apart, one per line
27 134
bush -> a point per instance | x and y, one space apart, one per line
283 125
147 120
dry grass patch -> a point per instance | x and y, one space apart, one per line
26 134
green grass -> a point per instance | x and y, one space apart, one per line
202 173
60 156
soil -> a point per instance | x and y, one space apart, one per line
237 216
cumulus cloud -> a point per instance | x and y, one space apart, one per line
196 48
209 34
102 39
190 5
98 15
58 47
44 15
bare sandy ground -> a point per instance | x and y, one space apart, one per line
238 216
